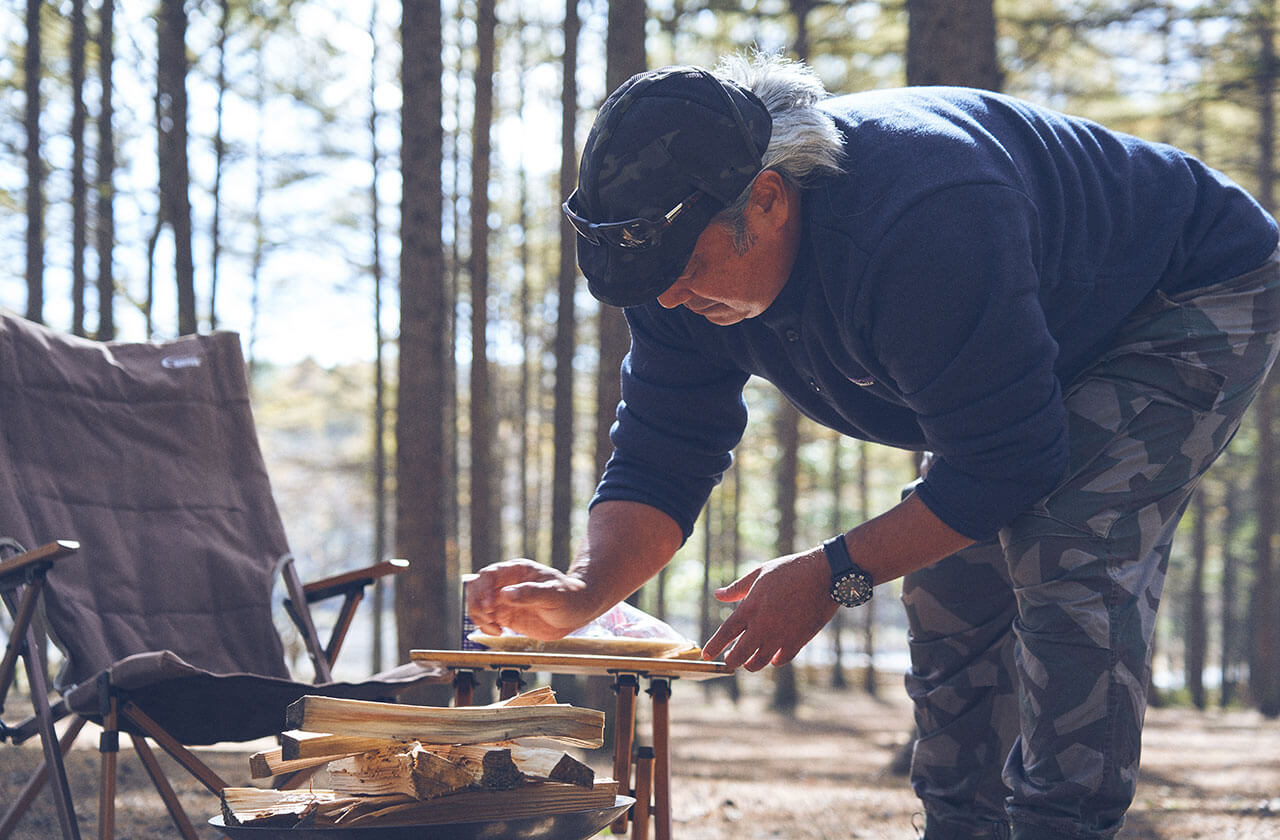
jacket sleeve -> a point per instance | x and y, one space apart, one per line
952 311
678 420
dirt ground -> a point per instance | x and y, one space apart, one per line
742 772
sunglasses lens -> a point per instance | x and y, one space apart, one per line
638 234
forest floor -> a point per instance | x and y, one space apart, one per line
741 772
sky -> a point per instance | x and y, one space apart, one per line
314 296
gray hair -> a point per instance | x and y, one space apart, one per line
805 144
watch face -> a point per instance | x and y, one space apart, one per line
851 588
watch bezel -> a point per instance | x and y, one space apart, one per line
851 588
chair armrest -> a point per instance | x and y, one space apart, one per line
351 586
341 584
18 568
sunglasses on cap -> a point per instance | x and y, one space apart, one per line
633 234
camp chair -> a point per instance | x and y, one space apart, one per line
135 510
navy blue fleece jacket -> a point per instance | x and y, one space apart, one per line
976 254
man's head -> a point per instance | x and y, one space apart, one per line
669 150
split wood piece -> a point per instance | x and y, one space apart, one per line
268 763
412 771
311 749
260 807
532 763
436 725
286 808
296 744
535 800
541 696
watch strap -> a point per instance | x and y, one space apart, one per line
837 555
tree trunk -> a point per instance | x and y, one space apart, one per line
870 680
484 520
952 42
105 176
79 182
566 321
1264 666
530 359
800 10
786 693
1229 645
378 607
624 57
838 518
171 129
426 609
1195 642
32 69
219 162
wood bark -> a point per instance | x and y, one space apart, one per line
566 315
1195 635
485 543
1264 661
786 691
79 180
952 42
104 178
171 131
624 57
423 597
32 66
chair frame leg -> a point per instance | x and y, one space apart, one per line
109 748
37 781
162 786
49 738
197 768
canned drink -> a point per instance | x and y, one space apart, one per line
468 626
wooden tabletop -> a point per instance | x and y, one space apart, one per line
574 663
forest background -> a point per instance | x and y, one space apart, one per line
368 192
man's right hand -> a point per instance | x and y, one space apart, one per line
529 598
626 544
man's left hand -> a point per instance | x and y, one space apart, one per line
781 606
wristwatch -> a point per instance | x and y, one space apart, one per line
851 586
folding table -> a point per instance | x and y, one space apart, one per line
652 767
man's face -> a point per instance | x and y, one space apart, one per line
729 277
721 282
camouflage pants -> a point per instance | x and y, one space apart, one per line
1031 654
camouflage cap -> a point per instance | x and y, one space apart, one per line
661 137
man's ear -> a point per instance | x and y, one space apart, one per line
770 197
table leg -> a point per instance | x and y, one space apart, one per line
644 790
509 683
627 687
660 691
464 687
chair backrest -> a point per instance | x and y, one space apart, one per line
148 456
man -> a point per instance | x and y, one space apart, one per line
1071 320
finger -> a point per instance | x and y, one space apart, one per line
531 593
737 590
725 634
762 657
740 653
782 657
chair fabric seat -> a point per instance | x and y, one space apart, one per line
198 707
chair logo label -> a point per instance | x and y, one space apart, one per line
177 362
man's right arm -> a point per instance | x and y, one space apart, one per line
627 543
